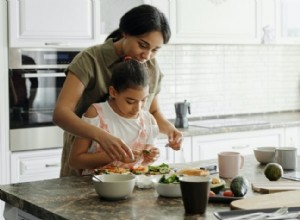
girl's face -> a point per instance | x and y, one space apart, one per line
129 102
142 48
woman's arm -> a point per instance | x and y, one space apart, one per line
166 127
64 116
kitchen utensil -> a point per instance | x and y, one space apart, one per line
114 186
261 215
230 164
272 187
273 200
287 157
181 110
265 155
166 189
97 178
194 190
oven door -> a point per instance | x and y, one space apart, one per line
33 94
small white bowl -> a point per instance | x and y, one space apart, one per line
114 186
265 155
167 189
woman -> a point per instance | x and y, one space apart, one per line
142 31
121 115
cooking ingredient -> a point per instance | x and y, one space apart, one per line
159 169
171 179
146 151
273 171
239 186
139 169
217 185
228 193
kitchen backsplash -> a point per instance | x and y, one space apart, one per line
230 79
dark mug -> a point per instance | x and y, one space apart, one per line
195 193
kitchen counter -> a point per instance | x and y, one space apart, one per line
75 198
260 122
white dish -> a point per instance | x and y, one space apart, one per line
167 189
114 186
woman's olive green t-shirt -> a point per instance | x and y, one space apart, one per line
92 67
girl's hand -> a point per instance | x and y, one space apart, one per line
138 156
150 154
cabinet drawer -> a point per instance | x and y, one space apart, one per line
35 165
208 147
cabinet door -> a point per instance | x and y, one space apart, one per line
168 155
288 21
215 21
35 165
208 147
48 23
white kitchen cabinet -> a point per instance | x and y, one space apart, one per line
53 23
288 21
215 21
208 146
35 165
168 155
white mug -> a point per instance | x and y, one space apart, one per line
287 157
230 164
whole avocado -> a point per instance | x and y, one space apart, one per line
239 186
273 171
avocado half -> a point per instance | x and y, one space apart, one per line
217 187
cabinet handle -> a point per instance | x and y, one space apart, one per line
240 147
53 165
56 44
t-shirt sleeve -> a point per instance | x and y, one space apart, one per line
93 121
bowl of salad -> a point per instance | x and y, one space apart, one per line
167 185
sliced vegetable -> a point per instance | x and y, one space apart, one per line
171 179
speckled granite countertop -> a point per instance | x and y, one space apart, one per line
274 120
75 198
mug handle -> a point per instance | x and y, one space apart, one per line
242 161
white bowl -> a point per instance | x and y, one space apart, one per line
114 186
167 189
265 155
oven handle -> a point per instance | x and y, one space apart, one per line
36 75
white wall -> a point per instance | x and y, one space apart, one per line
4 156
230 79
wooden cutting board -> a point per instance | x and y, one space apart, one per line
277 186
274 200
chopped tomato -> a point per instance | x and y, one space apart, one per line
228 193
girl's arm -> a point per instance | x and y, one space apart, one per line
65 117
79 156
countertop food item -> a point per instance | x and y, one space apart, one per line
217 185
273 171
239 186
193 172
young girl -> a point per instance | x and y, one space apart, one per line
122 116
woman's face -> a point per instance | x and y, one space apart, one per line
129 102
143 47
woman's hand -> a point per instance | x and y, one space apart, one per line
175 138
115 147
151 154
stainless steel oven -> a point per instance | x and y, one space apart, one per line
36 77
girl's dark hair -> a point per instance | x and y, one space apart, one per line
140 20
129 74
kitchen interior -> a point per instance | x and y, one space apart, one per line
236 62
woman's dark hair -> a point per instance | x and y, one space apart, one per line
140 20
129 74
